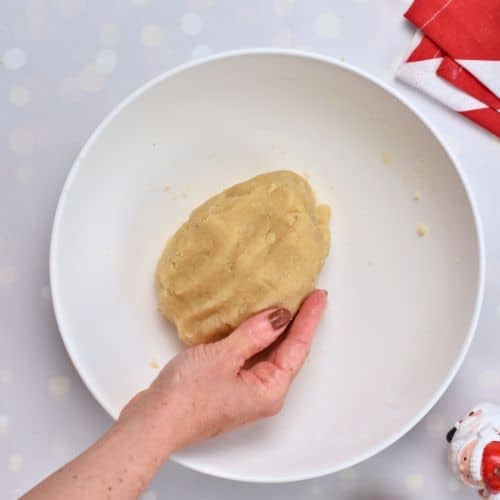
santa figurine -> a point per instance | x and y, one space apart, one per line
475 450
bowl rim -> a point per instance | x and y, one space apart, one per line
75 167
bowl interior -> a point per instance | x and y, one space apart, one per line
401 306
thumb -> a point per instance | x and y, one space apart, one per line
255 334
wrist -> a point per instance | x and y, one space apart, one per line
152 421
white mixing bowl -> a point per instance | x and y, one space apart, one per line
402 307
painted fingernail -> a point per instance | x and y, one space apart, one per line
279 318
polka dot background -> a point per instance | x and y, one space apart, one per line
64 64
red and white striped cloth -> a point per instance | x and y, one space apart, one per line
455 56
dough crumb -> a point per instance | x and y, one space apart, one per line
422 230
417 196
153 364
386 157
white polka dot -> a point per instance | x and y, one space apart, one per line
348 485
453 485
415 482
348 479
109 35
7 275
4 425
283 38
105 61
45 137
192 24
435 423
24 175
15 463
489 379
60 447
59 386
45 292
199 4
69 89
13 59
38 23
316 489
201 51
283 7
141 2
19 96
71 8
350 474
149 495
4 376
21 140
36 11
90 80
151 36
327 25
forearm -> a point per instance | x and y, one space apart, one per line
119 466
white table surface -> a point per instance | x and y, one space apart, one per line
75 60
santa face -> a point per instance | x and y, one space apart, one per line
463 462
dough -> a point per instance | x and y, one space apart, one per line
258 244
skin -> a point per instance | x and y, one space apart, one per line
472 422
204 391
464 458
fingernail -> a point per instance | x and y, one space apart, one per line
279 318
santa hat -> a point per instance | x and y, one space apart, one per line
485 437
491 467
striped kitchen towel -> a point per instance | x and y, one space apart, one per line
455 56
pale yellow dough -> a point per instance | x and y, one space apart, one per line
256 245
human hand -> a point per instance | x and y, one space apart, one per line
206 390
213 388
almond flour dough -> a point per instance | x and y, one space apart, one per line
256 245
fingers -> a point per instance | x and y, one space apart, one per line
275 374
256 334
293 350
